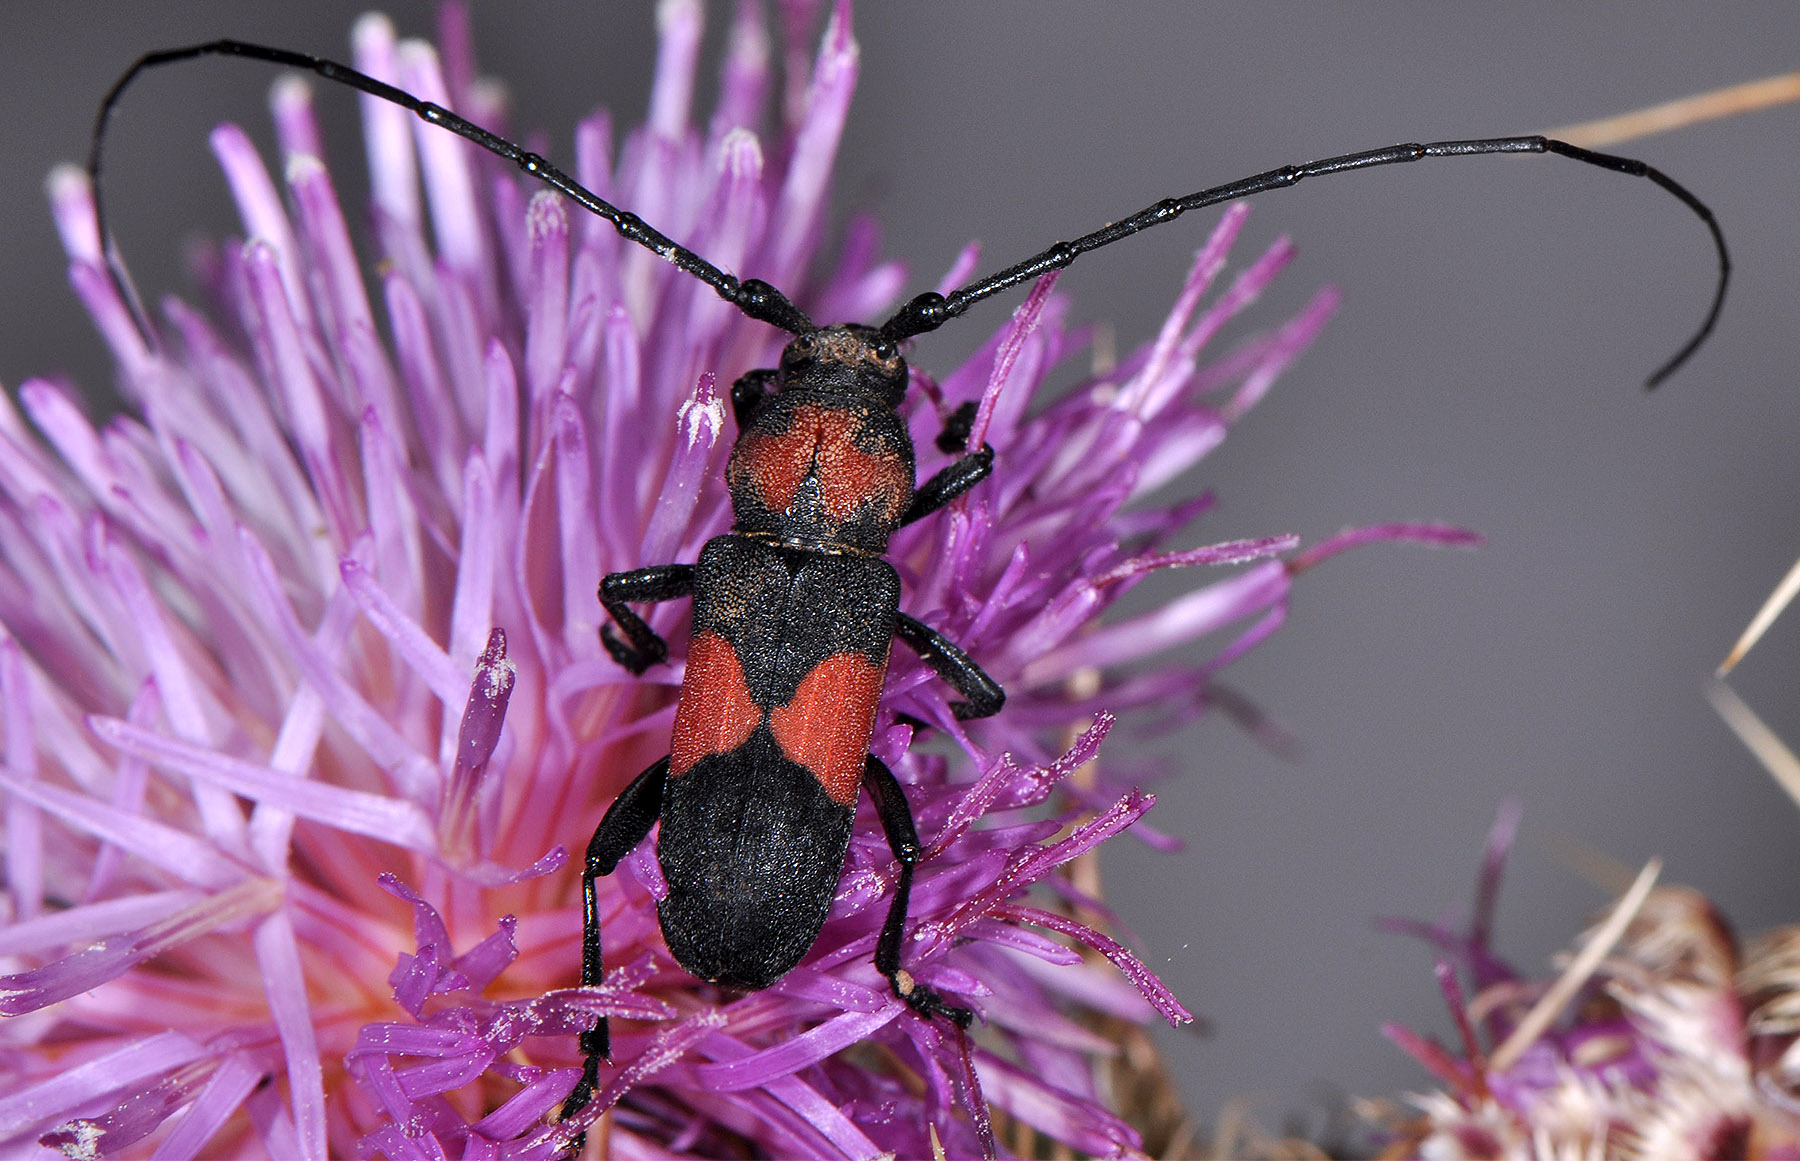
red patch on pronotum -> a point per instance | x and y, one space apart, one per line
850 477
820 442
826 726
716 714
776 464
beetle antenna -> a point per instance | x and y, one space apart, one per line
929 311
755 298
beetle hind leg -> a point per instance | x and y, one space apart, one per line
903 840
622 828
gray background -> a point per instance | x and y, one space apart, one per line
1499 316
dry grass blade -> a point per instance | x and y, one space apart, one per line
1782 764
1563 990
1765 616
1727 102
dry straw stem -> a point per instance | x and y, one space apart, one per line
1545 1011
1730 101
1765 616
1780 761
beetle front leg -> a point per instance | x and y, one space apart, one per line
663 582
903 839
983 695
958 426
621 828
949 483
747 395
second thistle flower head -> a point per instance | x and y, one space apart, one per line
1660 1039
303 696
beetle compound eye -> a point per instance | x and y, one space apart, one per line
799 352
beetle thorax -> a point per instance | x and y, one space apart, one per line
824 463
820 471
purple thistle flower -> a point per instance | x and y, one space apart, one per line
1657 1040
303 700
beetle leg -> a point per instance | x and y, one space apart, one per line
663 582
623 827
747 395
957 428
949 483
984 695
903 839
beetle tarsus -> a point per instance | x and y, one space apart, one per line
927 1002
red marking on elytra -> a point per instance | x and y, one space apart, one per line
821 442
716 714
826 725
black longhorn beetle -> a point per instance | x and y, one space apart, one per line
795 609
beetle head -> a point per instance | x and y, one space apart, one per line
845 360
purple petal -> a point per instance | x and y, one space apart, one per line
1493 862
1082 1125
1142 978
259 206
284 984
175 851
796 1053
390 819
699 424
99 1076
482 719
447 162
409 639
1181 620
387 128
796 215
24 823
112 956
129 1121
225 1093
290 103
1444 535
